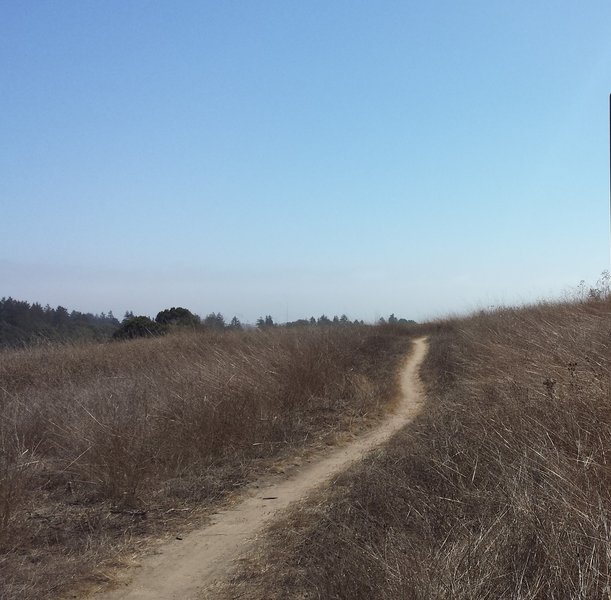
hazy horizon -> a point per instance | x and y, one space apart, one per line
299 159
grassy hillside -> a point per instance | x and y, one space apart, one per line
104 444
500 489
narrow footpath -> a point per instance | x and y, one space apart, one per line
184 569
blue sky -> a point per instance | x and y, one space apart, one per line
297 158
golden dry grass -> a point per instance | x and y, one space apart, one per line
102 445
501 489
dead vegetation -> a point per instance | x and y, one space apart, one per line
500 489
102 445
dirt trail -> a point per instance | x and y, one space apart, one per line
183 569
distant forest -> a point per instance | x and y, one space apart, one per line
24 324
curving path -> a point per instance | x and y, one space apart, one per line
182 570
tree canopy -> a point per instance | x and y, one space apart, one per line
24 323
177 316
141 326
214 321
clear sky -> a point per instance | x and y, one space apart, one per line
302 157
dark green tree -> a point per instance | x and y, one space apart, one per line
235 324
299 323
177 316
214 321
136 327
62 317
22 324
265 323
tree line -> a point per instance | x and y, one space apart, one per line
22 323
140 326
324 321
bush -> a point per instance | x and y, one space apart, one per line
177 316
135 327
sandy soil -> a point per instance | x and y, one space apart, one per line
184 569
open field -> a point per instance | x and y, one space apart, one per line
104 445
500 489
194 566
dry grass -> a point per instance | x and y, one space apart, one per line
501 489
103 444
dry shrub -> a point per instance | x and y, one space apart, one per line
17 465
104 443
501 489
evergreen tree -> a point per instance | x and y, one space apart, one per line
265 323
214 321
235 324
21 323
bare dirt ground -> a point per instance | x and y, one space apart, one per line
185 568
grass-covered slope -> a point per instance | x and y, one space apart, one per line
500 489
102 444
